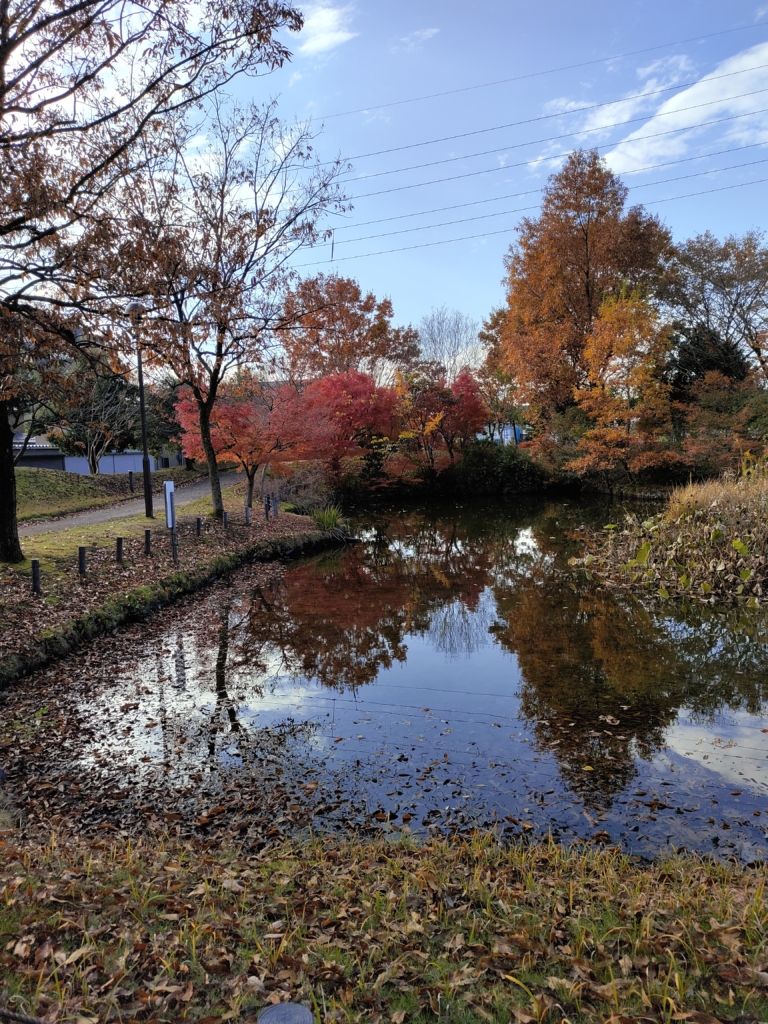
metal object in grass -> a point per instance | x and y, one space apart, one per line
286 1013
130 481
36 588
81 563
175 545
119 549
147 542
225 519
198 526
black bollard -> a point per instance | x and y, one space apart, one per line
175 544
147 542
266 509
119 549
198 526
225 519
81 560
247 516
130 480
36 588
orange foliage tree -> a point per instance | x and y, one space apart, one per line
435 419
583 248
253 423
625 396
332 327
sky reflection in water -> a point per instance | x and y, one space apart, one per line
443 672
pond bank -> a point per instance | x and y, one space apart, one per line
709 545
74 609
467 931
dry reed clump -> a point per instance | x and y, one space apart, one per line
709 544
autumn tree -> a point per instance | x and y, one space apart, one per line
583 248
344 414
253 423
437 419
332 327
498 388
80 85
625 395
209 235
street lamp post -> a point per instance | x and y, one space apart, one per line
135 309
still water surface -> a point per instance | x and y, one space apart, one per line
443 672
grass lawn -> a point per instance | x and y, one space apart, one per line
42 493
460 931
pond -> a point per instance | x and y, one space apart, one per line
444 672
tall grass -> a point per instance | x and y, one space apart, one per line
728 499
328 518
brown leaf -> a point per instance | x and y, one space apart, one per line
398 1017
522 1015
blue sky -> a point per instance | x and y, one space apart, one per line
699 108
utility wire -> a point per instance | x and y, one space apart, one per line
514 195
566 135
561 113
507 230
502 213
555 138
538 74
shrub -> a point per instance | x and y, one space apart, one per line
490 468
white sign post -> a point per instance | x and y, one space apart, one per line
170 506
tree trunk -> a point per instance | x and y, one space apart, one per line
251 475
263 477
10 548
210 456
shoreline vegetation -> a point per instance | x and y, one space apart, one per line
710 544
389 930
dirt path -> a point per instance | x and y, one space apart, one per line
184 495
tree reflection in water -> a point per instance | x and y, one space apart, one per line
602 677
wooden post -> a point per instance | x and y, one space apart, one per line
130 480
198 526
266 509
119 549
36 588
81 566
147 542
175 545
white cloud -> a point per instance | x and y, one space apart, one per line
716 97
415 40
761 12
325 28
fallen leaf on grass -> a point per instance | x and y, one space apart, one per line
398 1017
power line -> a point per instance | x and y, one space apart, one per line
507 230
555 138
503 213
537 74
563 113
514 195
